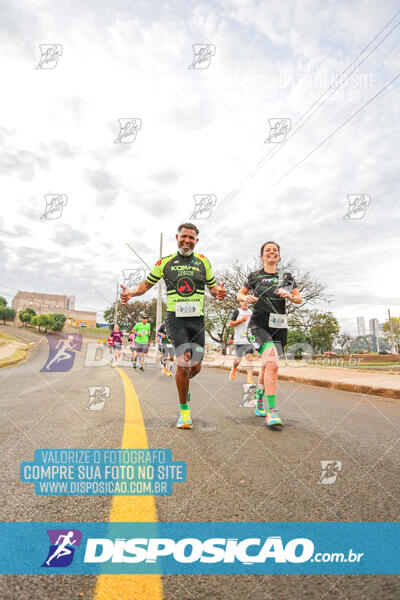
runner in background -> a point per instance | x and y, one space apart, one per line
167 350
116 337
110 344
131 339
142 330
229 346
240 320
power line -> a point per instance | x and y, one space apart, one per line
332 134
296 128
74 260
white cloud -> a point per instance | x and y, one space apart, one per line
202 131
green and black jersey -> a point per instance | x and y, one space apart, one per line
185 278
264 286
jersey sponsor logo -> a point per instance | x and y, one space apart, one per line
185 286
158 263
185 268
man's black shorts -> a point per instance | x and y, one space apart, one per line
167 351
186 333
260 335
243 349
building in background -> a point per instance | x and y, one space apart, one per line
374 327
361 326
54 303
79 318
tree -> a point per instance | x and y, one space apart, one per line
26 315
58 321
343 339
7 313
295 336
320 329
363 343
3 301
217 315
35 321
45 321
395 321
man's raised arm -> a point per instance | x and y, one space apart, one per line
139 290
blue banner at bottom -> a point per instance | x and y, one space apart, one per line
194 548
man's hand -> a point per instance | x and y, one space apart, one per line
221 291
251 299
125 294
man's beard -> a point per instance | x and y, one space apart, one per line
184 252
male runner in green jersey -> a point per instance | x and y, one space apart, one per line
186 274
142 330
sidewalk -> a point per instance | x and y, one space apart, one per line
349 380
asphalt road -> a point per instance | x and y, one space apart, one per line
237 469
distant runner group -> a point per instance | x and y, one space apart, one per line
186 275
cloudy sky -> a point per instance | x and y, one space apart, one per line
202 131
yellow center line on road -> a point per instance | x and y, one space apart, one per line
131 508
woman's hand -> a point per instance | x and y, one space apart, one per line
283 293
251 299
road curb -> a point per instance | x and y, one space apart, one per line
336 385
10 363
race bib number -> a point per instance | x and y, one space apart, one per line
278 321
188 309
169 346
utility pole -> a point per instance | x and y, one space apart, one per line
159 291
116 307
391 334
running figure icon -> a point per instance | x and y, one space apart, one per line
62 549
63 346
62 351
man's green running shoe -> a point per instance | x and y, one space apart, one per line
259 410
184 421
272 418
